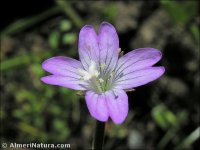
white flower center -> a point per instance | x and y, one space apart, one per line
91 73
98 81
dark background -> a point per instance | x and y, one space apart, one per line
163 114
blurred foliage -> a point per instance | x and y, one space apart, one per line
168 121
65 25
54 39
163 115
195 31
110 12
22 24
181 12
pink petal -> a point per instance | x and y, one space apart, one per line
117 103
137 59
139 77
97 106
63 66
108 45
65 81
88 45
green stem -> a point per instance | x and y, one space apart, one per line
98 136
69 11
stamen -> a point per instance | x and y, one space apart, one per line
130 90
101 80
92 69
85 75
103 65
120 52
92 72
98 82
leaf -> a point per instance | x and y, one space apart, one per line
163 117
65 25
110 11
54 39
69 38
181 12
195 32
187 142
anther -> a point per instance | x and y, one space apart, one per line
101 80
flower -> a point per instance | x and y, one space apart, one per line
102 74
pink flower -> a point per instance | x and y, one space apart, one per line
102 74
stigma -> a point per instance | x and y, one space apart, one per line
91 73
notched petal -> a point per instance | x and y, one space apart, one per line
117 102
88 45
97 106
108 46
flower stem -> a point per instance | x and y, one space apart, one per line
98 136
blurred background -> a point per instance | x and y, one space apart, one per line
163 115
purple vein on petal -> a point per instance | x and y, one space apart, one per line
108 45
117 103
96 104
63 66
65 81
137 59
140 77
88 45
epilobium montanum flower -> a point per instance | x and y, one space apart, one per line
102 74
